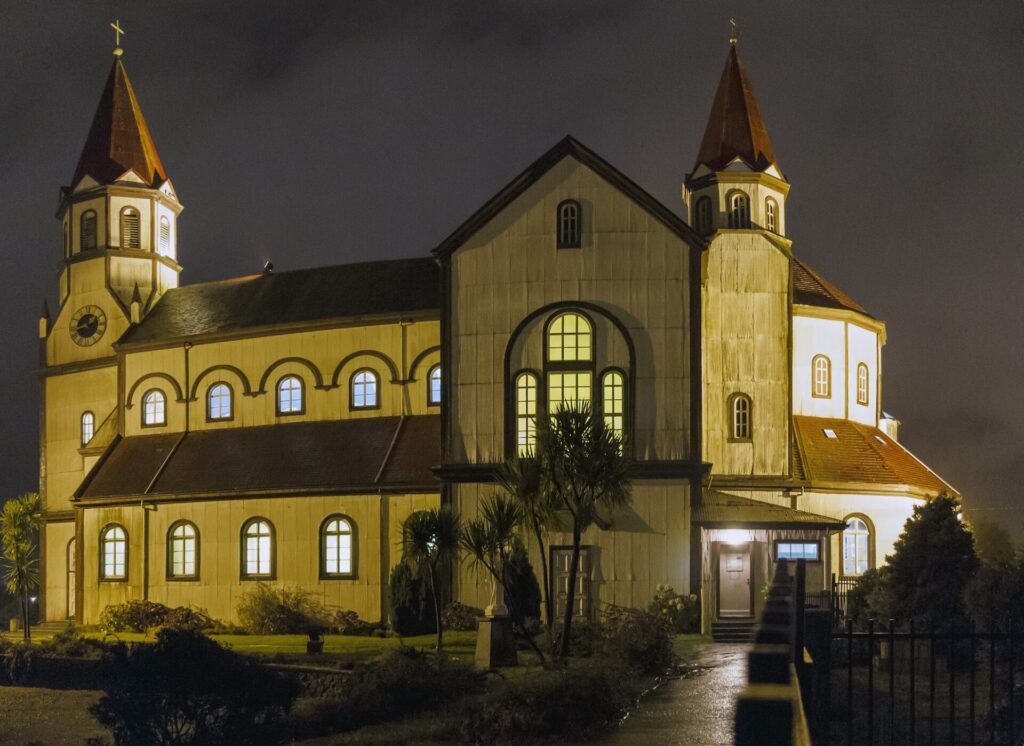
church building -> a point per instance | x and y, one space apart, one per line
196 440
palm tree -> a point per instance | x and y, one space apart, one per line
20 521
430 540
583 468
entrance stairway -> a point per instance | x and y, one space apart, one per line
41 631
732 630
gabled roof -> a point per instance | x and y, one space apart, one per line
811 289
568 147
735 126
860 455
722 510
119 139
335 456
306 295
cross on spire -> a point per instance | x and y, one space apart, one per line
733 36
116 25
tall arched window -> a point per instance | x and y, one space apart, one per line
130 232
434 386
87 230
154 408
570 355
526 413
702 215
739 210
856 547
821 368
862 383
113 553
88 426
165 235
364 389
771 215
568 217
613 402
290 399
183 551
219 402
741 410
337 547
570 339
258 559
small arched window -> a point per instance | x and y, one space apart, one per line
771 215
183 551
337 548
526 413
113 553
88 427
741 410
821 367
130 231
702 215
613 402
364 389
219 402
739 210
856 547
154 408
569 217
87 229
258 549
165 235
570 339
862 383
434 386
290 399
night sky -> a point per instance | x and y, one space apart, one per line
320 133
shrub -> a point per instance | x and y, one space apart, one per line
584 638
869 598
523 598
71 644
682 612
638 638
187 690
460 617
349 623
411 603
185 617
265 610
133 616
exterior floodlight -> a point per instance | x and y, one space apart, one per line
735 536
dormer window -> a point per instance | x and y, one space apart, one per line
739 210
702 215
568 218
771 215
87 229
130 233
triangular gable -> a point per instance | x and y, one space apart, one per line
131 176
85 183
568 147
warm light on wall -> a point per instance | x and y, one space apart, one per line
735 536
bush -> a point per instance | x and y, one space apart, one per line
265 610
187 618
71 644
349 623
460 617
682 612
868 598
639 639
523 598
133 616
584 638
412 605
187 690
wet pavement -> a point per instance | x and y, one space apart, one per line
694 710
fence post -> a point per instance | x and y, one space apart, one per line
800 600
913 683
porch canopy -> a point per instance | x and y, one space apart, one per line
722 510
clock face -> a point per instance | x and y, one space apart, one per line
88 325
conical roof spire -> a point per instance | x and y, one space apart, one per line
735 127
119 139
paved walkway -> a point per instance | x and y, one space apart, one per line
694 710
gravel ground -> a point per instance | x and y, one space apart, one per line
29 715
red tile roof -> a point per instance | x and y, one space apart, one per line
811 289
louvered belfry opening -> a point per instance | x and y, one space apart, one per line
130 228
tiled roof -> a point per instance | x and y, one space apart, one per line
860 454
307 457
811 289
344 291
723 510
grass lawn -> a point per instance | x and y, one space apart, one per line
48 716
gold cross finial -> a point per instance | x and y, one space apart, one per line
733 38
116 25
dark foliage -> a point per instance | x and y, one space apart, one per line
349 623
523 597
869 598
265 610
460 617
140 616
639 639
682 612
411 603
995 596
187 689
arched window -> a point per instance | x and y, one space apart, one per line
526 413
771 212
821 367
337 548
570 352
364 389
165 235
183 551
258 559
741 410
856 547
739 210
570 339
434 386
113 553
88 426
702 215
154 408
568 216
862 383
218 402
87 229
290 399
130 233
613 402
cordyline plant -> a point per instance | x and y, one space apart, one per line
20 521
430 541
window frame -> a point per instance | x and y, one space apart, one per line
173 577
734 436
814 377
352 406
623 384
126 212
431 400
102 570
277 395
145 397
231 402
738 219
164 248
815 542
353 573
244 573
702 215
526 449
92 427
562 238
771 214
869 531
863 392
87 217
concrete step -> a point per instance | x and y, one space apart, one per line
732 630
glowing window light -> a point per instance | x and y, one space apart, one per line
735 536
